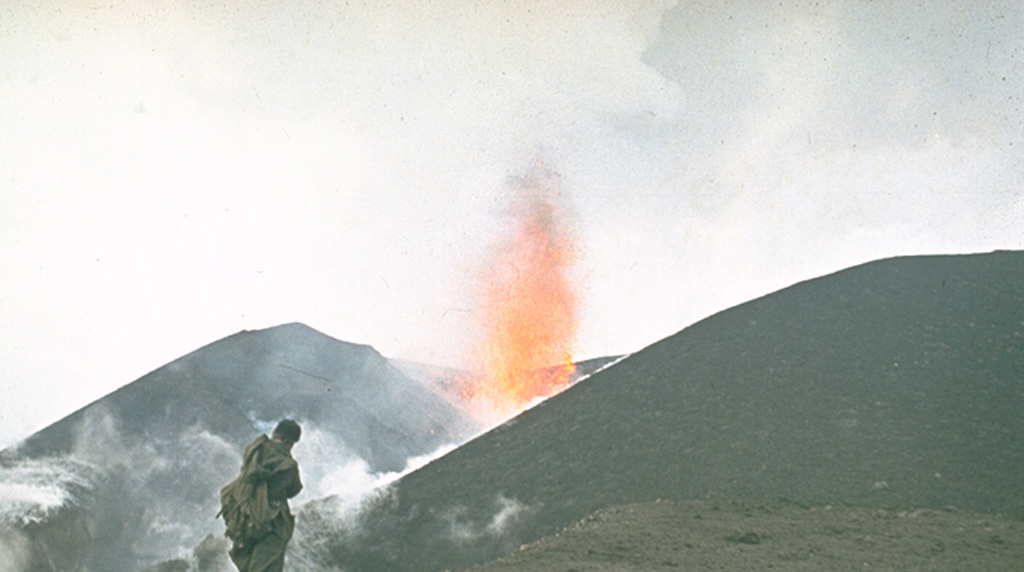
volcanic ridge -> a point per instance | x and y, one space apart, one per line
896 383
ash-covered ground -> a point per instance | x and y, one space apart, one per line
699 536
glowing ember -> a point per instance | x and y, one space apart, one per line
530 306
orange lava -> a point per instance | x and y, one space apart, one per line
530 315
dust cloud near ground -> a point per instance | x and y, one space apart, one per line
705 535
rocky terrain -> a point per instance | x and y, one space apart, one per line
894 385
700 536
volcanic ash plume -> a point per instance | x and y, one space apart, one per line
530 305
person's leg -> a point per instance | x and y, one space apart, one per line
268 555
241 556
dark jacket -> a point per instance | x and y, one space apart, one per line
255 504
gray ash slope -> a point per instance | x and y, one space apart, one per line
149 458
233 384
894 383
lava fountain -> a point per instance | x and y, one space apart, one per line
530 304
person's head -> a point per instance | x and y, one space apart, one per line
287 431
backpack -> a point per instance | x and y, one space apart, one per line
242 515
244 503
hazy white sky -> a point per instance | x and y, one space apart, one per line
174 172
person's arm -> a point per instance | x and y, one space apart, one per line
295 486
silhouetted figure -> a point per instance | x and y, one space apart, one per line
255 504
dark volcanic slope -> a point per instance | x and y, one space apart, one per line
291 370
895 383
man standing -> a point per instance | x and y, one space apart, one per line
255 504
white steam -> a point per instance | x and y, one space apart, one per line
33 490
509 512
15 550
462 528
342 491
162 495
328 471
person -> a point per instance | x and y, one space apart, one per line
255 505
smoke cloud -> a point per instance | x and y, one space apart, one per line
146 501
492 533
15 550
143 500
32 492
344 493
509 512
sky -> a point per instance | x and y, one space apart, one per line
173 172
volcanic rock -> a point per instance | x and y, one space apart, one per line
706 536
906 371
234 386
